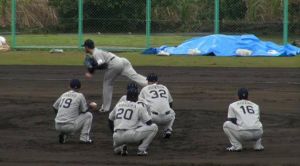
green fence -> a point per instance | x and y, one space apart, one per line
139 24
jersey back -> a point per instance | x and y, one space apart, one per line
157 96
247 114
69 106
128 115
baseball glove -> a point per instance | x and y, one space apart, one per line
91 64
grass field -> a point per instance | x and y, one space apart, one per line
114 40
75 57
137 59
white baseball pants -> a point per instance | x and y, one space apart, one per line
144 134
118 66
236 135
164 120
83 123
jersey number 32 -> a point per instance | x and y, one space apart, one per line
160 93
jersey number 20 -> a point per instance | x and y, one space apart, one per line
124 114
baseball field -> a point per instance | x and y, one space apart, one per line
202 88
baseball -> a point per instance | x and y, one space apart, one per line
93 105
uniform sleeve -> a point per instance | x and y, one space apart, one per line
144 116
99 56
83 105
169 96
231 113
112 115
123 98
142 95
258 109
56 104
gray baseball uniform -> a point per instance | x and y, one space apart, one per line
129 125
116 66
158 97
72 114
248 126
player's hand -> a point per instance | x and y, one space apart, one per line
93 106
88 75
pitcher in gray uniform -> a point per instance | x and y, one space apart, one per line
131 123
72 114
114 66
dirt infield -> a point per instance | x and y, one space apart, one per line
201 97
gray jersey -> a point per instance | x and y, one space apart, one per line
128 115
247 114
102 56
69 106
140 102
157 96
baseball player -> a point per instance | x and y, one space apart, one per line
133 85
114 66
131 123
159 99
72 114
3 45
243 124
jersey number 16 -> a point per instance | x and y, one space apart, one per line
248 108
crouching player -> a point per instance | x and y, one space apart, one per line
72 114
159 99
243 123
130 123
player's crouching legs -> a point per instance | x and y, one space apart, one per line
232 132
84 122
147 133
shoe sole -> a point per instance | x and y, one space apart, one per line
234 150
87 143
259 150
124 151
62 138
167 136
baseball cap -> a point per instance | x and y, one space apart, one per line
152 77
243 93
132 85
89 44
75 84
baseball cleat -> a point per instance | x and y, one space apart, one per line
62 138
86 142
101 110
142 153
233 149
124 151
167 134
259 148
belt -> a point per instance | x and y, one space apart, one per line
120 130
112 58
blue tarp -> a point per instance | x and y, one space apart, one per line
227 45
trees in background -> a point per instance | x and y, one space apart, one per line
112 16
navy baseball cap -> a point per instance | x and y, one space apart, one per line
89 44
75 84
132 94
152 77
243 93
132 85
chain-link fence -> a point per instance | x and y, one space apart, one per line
137 24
